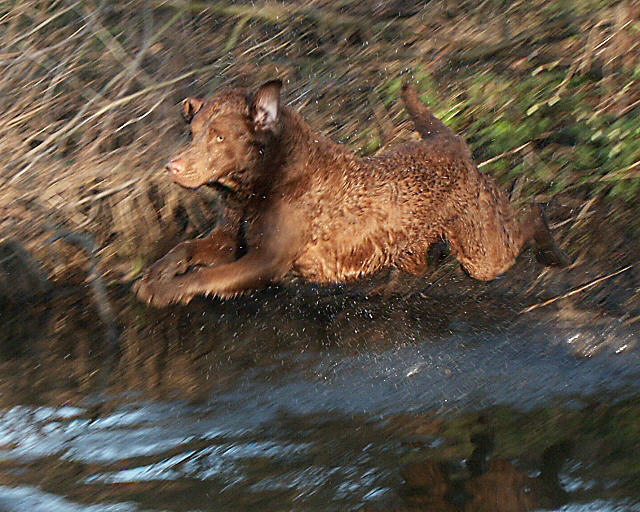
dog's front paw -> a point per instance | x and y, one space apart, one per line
159 293
174 263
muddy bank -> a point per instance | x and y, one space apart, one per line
598 293
448 320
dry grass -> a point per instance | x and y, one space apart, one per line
89 94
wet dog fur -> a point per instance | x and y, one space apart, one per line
296 202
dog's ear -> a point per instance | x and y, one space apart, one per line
265 107
190 107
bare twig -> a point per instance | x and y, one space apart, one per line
13 58
616 175
576 291
506 153
108 192
140 117
270 12
103 305
632 320
35 29
69 128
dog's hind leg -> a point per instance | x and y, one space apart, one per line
488 237
548 253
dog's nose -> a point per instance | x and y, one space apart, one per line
175 167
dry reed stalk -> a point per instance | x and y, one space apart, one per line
269 12
506 153
576 290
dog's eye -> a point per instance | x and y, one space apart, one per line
219 138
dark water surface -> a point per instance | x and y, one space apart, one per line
304 401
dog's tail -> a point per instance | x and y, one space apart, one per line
426 123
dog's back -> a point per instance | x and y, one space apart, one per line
389 209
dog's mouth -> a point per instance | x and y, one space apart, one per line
188 179
184 181
227 181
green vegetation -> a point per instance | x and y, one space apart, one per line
552 121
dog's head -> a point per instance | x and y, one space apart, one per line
229 135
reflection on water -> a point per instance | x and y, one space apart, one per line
305 401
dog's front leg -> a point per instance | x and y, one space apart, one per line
254 270
219 247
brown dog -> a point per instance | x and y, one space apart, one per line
297 202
